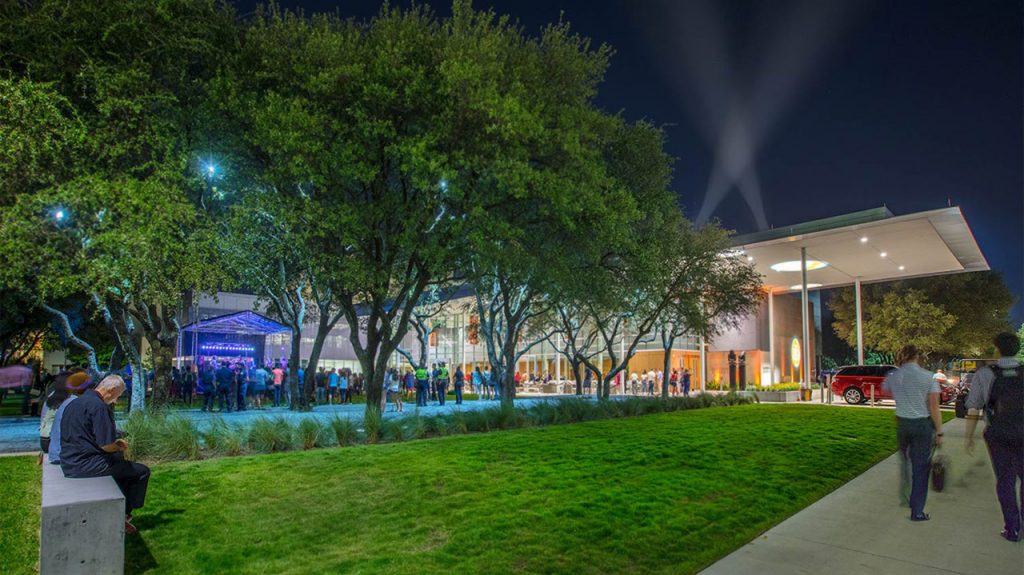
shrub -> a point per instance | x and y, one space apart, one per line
346 431
268 435
394 429
372 425
178 439
310 431
224 439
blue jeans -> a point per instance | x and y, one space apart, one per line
915 438
458 394
442 391
242 389
277 395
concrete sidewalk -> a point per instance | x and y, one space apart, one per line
861 529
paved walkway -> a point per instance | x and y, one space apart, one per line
860 529
21 434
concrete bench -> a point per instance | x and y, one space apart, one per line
82 525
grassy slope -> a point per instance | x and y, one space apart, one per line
658 494
19 514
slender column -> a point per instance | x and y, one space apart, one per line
558 360
703 364
805 351
771 337
860 324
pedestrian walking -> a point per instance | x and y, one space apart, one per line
998 392
686 383
918 426
442 383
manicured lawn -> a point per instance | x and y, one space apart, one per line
666 493
19 515
657 494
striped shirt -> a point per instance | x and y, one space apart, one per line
910 385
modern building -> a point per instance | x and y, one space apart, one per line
779 343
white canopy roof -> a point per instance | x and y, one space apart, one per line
873 245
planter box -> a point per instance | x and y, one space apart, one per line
774 396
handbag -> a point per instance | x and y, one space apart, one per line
940 470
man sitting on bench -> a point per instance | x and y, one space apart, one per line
90 446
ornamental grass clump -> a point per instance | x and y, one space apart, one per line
310 433
269 435
346 431
394 430
372 423
178 438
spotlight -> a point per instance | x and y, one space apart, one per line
884 254
864 240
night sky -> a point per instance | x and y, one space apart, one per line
913 104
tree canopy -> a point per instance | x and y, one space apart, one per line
947 316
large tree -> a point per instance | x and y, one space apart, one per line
117 223
947 316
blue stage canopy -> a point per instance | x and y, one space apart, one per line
238 323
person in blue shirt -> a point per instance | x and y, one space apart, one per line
332 385
343 396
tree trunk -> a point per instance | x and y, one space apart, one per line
667 365
323 329
69 335
294 357
576 374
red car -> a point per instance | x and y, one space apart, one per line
856 382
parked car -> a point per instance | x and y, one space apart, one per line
856 382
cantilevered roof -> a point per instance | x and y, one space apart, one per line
238 323
872 245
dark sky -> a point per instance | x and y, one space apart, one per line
911 103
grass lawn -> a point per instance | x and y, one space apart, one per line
667 493
19 514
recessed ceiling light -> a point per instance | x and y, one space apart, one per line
883 254
903 268
750 258
864 240
794 265
809 286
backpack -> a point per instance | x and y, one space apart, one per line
1005 408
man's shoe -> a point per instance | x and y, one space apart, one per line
129 529
920 517
1011 535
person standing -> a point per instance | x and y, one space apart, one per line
278 378
225 379
998 391
686 382
442 383
209 386
459 382
588 382
476 380
321 381
410 383
343 382
918 424
395 390
673 382
188 385
259 386
422 380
